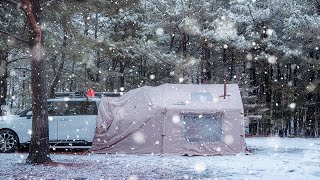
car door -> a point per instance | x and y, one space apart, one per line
26 126
53 123
78 122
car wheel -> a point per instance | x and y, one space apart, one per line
8 141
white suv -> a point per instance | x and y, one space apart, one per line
72 122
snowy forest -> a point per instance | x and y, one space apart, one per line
269 48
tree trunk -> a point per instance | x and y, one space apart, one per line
121 71
317 4
110 84
3 78
232 66
60 68
295 124
39 145
172 41
184 44
99 59
205 70
72 76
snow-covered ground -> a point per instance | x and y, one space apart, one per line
272 158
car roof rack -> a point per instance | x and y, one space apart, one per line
81 94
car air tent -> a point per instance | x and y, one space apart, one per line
184 119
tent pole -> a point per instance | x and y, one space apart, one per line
224 87
163 131
224 71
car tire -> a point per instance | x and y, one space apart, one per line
8 141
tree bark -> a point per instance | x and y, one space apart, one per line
39 145
3 78
232 66
72 77
184 44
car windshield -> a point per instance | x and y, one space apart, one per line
24 112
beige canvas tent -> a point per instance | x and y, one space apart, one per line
184 119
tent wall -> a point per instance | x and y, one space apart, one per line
232 140
136 131
144 140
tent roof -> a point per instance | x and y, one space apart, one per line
191 96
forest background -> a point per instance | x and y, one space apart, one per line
270 48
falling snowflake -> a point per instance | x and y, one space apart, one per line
292 105
139 137
228 139
12 73
199 167
29 131
218 149
37 53
175 119
249 56
152 76
272 59
190 25
269 32
225 29
311 87
159 31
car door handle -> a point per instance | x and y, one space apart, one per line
64 120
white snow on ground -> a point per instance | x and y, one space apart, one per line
272 158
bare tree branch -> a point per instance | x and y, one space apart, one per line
250 12
26 5
15 37
12 2
318 7
18 59
22 68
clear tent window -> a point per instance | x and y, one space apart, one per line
202 128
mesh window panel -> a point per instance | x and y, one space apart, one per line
201 97
202 128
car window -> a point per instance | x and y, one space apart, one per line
69 108
24 113
56 108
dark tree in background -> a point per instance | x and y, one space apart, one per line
3 78
39 146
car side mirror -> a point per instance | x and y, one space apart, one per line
29 115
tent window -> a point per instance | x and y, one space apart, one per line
202 128
201 97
